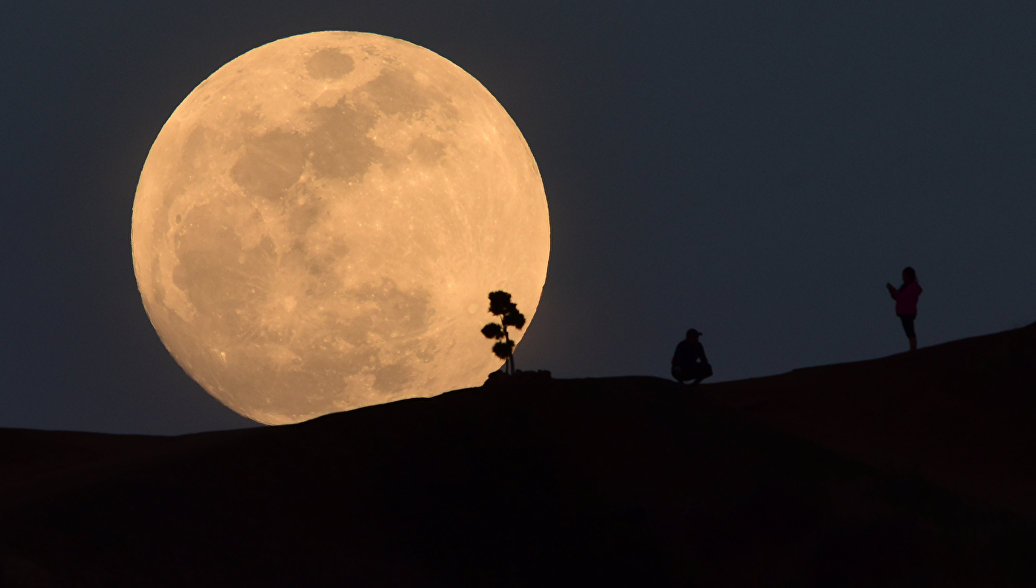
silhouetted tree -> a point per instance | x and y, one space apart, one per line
500 305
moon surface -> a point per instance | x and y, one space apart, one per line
318 225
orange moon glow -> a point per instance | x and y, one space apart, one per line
319 223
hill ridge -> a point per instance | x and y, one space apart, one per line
549 481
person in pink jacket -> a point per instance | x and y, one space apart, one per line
906 303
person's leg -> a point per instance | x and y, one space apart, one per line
678 374
908 327
700 372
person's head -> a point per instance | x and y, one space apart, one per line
693 334
909 275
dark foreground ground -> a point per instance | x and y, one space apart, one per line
912 470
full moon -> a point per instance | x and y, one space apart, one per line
318 225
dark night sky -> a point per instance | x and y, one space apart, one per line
757 170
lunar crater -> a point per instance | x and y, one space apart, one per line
329 64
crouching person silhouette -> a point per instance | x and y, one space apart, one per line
689 362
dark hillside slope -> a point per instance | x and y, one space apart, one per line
533 482
961 415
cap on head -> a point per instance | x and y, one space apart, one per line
693 333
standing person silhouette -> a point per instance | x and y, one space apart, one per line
906 303
689 361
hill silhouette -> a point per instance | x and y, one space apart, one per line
912 470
